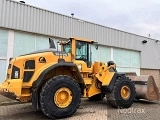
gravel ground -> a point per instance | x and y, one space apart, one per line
101 110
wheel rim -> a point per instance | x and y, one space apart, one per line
125 92
63 97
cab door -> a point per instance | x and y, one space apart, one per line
82 52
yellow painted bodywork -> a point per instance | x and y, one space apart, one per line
103 74
22 89
94 77
92 89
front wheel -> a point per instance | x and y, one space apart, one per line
60 97
123 93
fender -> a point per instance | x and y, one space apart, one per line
39 80
109 88
37 83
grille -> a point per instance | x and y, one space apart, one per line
30 64
27 76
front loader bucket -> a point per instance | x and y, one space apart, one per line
146 87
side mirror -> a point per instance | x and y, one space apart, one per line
51 44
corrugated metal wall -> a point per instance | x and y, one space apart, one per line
27 18
23 17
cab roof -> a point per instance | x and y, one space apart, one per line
82 39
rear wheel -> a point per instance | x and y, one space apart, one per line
60 97
123 93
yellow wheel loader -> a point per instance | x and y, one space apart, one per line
55 80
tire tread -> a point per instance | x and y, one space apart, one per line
44 90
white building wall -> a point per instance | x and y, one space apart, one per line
3 51
15 43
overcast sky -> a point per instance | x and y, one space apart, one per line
141 17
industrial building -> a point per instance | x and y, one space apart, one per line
25 28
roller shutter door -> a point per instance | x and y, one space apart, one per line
127 60
103 54
23 43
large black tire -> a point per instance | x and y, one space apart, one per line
97 97
49 91
116 99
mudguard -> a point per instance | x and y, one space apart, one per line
38 83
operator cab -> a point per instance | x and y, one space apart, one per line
81 49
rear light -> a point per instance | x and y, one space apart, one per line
15 72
